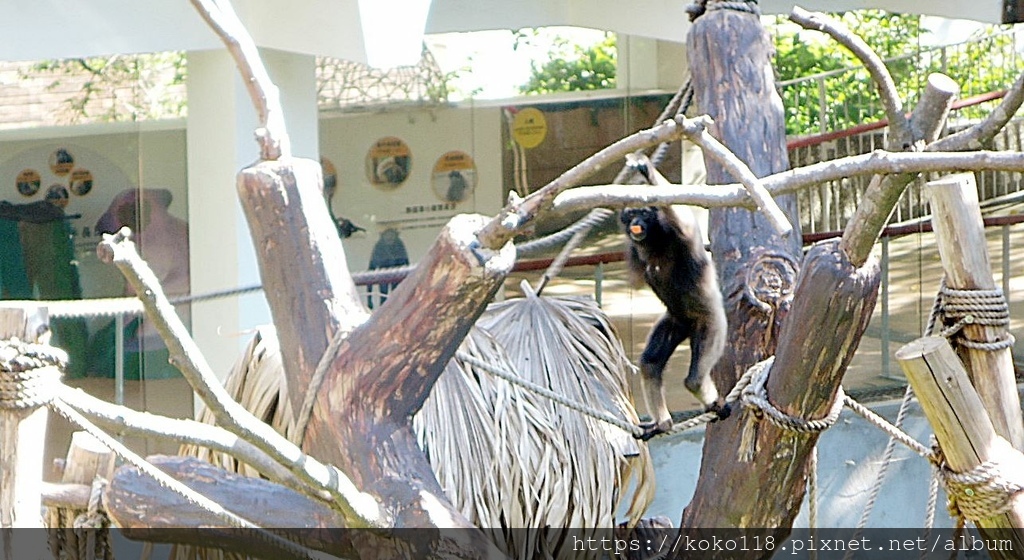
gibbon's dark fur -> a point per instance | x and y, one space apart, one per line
665 249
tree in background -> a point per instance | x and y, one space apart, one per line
986 62
571 67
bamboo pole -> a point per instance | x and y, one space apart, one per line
963 430
960 232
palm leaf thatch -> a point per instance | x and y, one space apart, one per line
507 457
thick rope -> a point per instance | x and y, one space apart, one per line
983 492
977 307
755 398
29 374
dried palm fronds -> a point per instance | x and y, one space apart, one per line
508 458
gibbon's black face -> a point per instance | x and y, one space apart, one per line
637 222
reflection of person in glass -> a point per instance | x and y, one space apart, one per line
388 252
162 240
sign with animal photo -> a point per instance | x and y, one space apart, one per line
388 162
454 177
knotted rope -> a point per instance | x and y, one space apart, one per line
29 374
755 399
974 307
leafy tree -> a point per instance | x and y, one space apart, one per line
850 97
572 67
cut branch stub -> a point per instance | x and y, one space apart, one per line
386 368
302 264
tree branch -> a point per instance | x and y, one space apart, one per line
185 355
974 137
900 136
877 162
272 135
126 420
518 213
695 131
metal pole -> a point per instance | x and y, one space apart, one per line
119 359
822 106
885 306
1006 265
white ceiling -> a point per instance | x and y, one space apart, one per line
42 29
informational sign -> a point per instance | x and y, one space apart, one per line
388 162
61 162
58 195
28 182
529 127
81 182
454 176
330 177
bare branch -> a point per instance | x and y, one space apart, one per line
126 420
517 214
975 136
877 162
900 136
358 507
881 196
272 135
695 131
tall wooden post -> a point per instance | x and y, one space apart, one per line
964 431
960 233
22 430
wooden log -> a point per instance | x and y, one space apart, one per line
21 431
87 458
832 297
386 368
960 232
144 510
963 429
302 263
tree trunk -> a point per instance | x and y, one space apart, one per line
385 370
733 83
832 297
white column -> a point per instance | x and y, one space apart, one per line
221 123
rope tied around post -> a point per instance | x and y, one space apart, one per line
755 399
987 490
29 374
974 307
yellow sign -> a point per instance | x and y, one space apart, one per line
529 127
454 176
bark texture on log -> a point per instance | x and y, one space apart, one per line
145 510
835 298
302 263
385 369
733 83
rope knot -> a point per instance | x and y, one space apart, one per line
974 307
755 399
981 492
29 374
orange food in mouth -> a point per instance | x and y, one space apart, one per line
636 229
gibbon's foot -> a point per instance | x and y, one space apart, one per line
723 411
650 429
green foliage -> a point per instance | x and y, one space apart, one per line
571 67
119 87
850 97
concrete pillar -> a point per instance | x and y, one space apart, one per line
221 122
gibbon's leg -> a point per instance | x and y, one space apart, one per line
663 340
706 347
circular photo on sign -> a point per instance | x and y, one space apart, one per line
388 162
453 177
57 195
81 182
529 127
330 178
28 182
61 162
